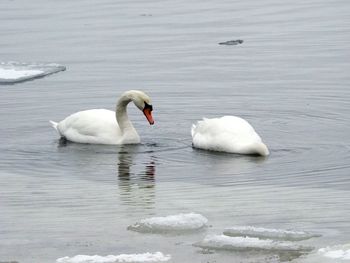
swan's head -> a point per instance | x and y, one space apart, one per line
143 102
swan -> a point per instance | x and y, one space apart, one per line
100 126
227 134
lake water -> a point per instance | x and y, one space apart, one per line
289 78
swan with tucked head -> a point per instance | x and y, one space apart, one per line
227 134
100 126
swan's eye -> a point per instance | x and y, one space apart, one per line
147 106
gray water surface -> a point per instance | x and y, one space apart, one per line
289 78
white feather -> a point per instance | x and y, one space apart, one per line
100 126
54 125
227 134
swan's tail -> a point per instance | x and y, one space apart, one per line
193 129
261 149
54 125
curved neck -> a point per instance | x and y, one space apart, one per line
121 114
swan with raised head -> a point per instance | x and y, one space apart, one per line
227 134
100 126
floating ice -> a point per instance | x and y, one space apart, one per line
13 72
261 232
336 252
145 257
249 243
172 223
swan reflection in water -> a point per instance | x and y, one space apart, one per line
136 180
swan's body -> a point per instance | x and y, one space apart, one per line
100 126
227 134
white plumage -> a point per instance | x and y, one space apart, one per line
100 126
97 126
227 134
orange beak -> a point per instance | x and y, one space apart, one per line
148 114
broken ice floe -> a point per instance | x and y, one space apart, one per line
145 257
172 223
266 233
334 254
341 252
14 72
223 242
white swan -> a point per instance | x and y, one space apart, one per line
227 134
100 126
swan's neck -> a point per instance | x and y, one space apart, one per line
122 116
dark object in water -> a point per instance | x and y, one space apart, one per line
232 42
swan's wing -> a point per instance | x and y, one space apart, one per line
217 126
239 129
91 126
228 133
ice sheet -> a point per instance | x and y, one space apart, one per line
14 72
249 243
172 223
145 257
260 232
333 254
336 252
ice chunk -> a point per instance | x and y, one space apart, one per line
249 243
172 223
336 252
14 72
268 233
145 257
